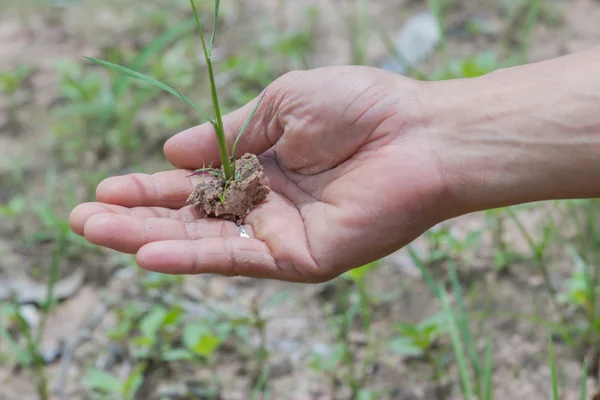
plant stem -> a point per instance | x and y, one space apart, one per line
219 130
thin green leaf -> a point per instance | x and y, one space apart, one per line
133 382
173 316
206 345
152 322
149 80
425 274
457 345
103 381
245 126
214 172
406 347
463 322
584 382
487 374
199 26
229 172
553 369
212 36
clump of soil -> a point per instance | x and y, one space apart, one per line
241 195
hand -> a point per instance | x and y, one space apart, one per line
350 167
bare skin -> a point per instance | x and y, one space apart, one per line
361 162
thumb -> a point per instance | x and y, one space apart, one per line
198 146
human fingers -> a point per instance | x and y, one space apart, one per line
198 146
128 234
168 189
230 256
84 211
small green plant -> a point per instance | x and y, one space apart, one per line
471 66
227 157
156 336
350 307
475 374
14 208
12 81
11 85
21 346
419 341
25 341
444 245
110 387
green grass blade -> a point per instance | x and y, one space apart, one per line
530 22
149 80
245 126
584 379
212 36
457 345
463 322
437 9
199 27
553 369
218 123
488 371
425 274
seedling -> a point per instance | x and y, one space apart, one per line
215 198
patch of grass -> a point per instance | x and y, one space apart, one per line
352 306
13 88
113 115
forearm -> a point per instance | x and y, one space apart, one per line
518 135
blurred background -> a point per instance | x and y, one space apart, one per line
501 304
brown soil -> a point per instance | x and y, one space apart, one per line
241 195
500 305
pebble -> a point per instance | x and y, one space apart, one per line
416 41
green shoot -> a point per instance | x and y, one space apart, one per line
553 370
488 371
212 36
457 345
244 127
218 123
462 322
584 379
227 160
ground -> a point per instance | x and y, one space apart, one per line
63 129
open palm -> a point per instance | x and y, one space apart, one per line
352 180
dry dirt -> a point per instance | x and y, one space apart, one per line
297 326
241 196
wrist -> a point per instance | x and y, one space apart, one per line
518 135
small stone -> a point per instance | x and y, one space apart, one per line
281 368
417 39
30 314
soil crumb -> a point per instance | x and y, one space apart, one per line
241 195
